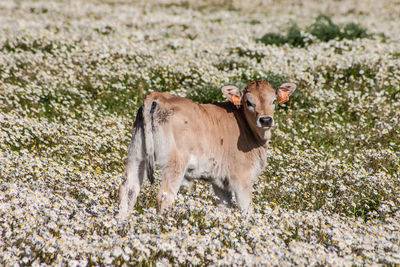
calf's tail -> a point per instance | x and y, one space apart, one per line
148 116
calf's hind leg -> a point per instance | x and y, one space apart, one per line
243 187
172 178
130 187
135 170
224 196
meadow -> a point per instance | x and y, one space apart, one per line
73 74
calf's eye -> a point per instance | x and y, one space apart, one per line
249 104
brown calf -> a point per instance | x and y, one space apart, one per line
220 143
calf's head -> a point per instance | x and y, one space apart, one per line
258 102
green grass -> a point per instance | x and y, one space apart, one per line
323 29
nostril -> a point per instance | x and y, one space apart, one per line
266 121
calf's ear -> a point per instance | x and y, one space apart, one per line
284 91
233 94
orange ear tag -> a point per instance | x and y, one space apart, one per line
283 97
236 100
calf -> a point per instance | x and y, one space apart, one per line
223 143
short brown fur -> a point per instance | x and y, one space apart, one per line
219 143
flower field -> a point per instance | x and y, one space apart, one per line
73 74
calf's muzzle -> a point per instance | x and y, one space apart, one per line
265 121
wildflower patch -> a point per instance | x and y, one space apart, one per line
73 75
